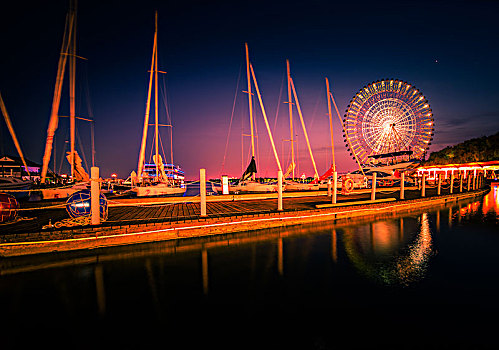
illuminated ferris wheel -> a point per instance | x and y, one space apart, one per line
388 118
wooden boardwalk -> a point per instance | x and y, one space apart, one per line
154 223
33 219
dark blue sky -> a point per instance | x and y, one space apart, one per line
447 49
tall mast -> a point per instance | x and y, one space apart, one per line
72 75
303 126
265 118
156 130
54 114
290 107
330 122
345 132
148 108
250 101
12 133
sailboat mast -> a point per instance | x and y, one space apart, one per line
304 129
330 122
12 133
290 107
72 76
148 108
265 118
54 114
345 132
250 101
156 117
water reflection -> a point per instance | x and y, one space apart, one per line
386 253
491 202
301 260
482 209
204 264
99 286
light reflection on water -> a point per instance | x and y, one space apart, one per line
293 275
390 253
378 250
491 202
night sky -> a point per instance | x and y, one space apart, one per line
448 49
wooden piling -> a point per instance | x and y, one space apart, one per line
94 195
335 187
202 190
279 190
451 182
402 185
423 185
373 191
439 189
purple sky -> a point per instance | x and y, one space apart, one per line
447 49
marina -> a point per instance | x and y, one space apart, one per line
390 270
275 175
134 221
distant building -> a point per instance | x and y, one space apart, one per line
13 167
489 169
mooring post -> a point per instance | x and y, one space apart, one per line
202 190
451 182
279 190
439 188
335 187
373 186
94 196
328 187
402 185
423 185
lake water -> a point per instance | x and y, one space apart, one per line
425 279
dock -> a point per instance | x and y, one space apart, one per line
134 220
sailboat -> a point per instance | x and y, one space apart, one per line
247 182
78 175
331 172
292 185
159 184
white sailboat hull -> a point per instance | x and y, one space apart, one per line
298 186
249 187
158 190
64 192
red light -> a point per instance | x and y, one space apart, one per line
114 176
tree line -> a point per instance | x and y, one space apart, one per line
480 149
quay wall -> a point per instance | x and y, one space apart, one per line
101 237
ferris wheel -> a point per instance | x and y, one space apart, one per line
388 117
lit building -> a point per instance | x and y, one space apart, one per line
488 169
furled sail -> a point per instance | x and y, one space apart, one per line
80 173
291 167
158 160
250 170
